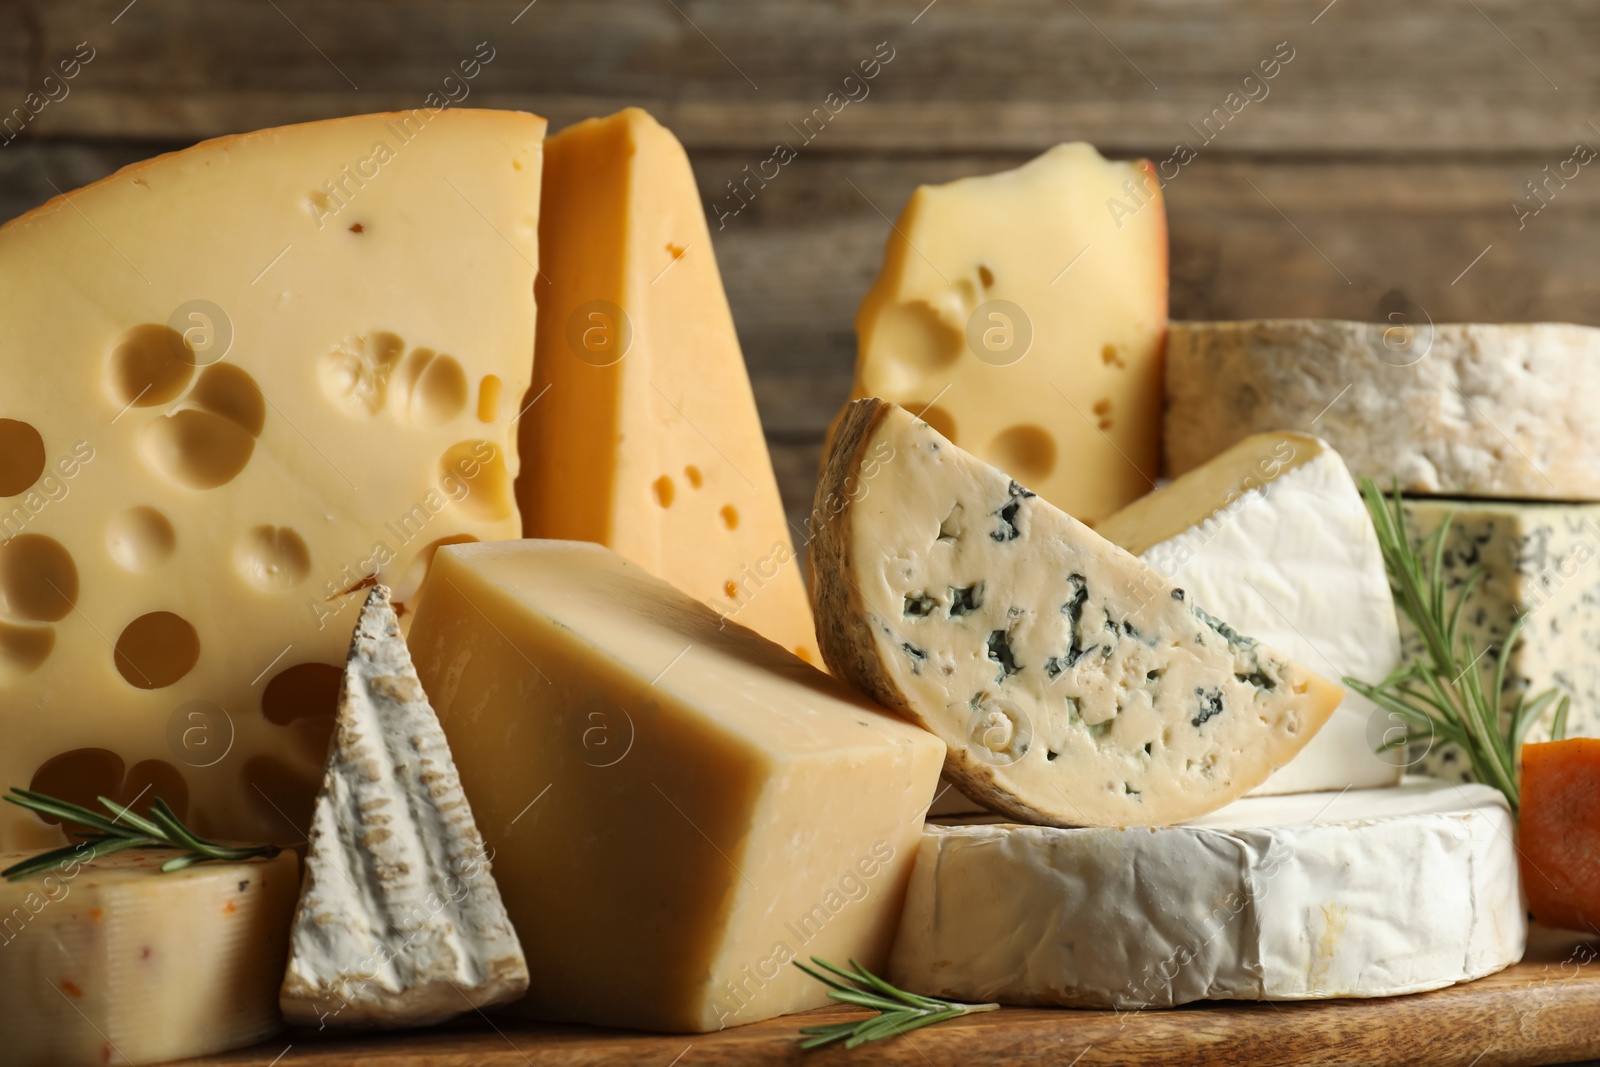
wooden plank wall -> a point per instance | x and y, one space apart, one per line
1380 167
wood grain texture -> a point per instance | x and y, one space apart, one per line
1434 75
1383 161
1544 1010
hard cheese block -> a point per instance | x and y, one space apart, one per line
1273 536
113 962
644 434
1539 564
1451 408
1022 314
678 807
240 380
1367 893
1073 684
400 922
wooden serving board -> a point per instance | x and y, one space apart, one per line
1543 1010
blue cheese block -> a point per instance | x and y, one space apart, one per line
1539 562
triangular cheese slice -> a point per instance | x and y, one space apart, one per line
400 922
643 433
239 380
1073 684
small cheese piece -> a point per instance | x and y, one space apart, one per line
240 380
400 922
1449 408
1022 314
1273 536
678 807
1367 893
113 962
648 440
1540 563
1073 684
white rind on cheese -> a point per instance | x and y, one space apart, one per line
1072 684
114 962
1449 408
1540 563
1274 536
1362 894
400 922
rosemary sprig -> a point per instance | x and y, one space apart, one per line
126 829
899 1011
1441 694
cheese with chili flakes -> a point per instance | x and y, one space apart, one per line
113 962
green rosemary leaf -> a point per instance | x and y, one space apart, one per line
1558 732
1446 689
899 1011
162 829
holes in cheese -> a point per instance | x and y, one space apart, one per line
23 649
1073 684
272 558
21 457
156 650
38 579
150 365
937 417
355 375
429 389
140 538
730 516
1026 451
209 438
474 476
84 774
489 397
302 691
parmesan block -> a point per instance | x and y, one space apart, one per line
677 807
1274 536
240 381
1540 563
1022 314
1073 684
1367 893
113 962
400 922
643 434
1449 408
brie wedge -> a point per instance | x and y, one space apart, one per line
400 922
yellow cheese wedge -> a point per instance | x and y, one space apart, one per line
1023 315
643 434
239 381
676 807
113 962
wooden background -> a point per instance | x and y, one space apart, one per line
1384 161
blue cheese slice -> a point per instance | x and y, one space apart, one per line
400 922
1365 893
1273 536
1073 684
1540 562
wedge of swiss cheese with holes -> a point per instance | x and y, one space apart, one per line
1073 684
1023 315
247 377
643 433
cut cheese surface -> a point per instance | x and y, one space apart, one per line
1540 562
400 922
1023 315
1456 409
1273 536
1365 893
256 372
677 807
1073 684
643 434
115 963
